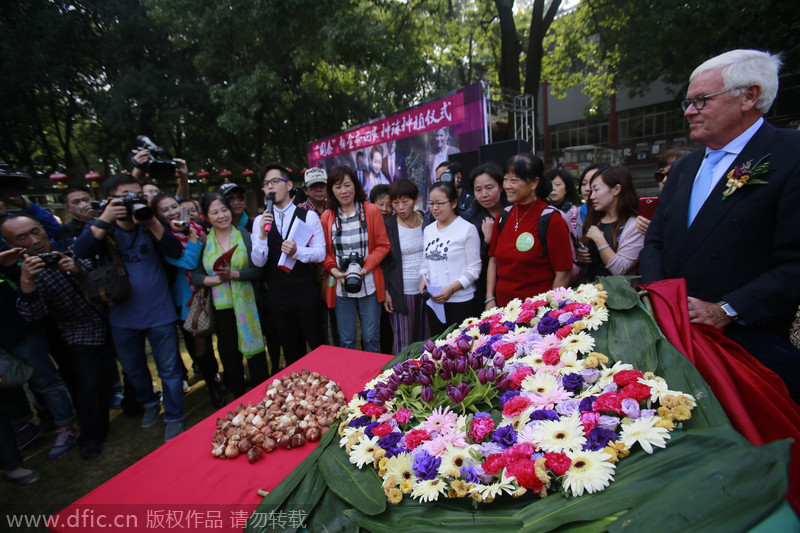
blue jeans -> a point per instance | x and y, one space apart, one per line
46 381
133 358
369 311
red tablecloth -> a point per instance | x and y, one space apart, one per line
181 486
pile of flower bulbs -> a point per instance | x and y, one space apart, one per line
299 407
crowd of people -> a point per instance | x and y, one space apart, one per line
303 274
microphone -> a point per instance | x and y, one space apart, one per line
270 201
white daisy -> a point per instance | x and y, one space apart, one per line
347 432
585 293
429 490
569 364
589 472
401 466
505 484
577 343
607 374
527 434
560 435
363 452
541 383
644 431
596 318
469 322
456 458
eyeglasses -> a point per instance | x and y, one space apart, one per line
437 205
699 102
274 181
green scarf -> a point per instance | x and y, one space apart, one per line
236 294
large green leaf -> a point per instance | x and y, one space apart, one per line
361 488
329 516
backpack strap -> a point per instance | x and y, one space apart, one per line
544 224
503 218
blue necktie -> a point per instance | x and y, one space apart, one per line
702 185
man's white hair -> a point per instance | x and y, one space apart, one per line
743 68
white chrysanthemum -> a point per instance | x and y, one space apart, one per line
401 466
644 431
570 364
589 472
585 292
560 435
363 452
471 321
455 458
383 376
496 489
474 332
541 383
347 433
527 435
490 312
429 490
659 389
532 359
577 343
596 318
355 404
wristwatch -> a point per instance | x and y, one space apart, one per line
730 311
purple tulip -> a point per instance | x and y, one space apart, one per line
502 383
397 368
429 347
455 395
499 361
426 394
422 379
464 388
482 376
463 345
491 374
436 353
445 374
461 365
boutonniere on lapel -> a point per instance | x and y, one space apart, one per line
746 174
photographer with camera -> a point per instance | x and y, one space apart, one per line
356 243
127 224
449 171
294 295
154 161
48 287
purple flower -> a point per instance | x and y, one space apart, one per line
461 365
611 387
586 403
564 319
505 436
631 408
590 375
445 374
429 347
436 353
571 382
371 395
388 441
489 448
485 328
647 413
568 407
544 414
425 466
422 379
548 325
469 475
608 422
481 414
393 450
426 394
463 344
359 422
598 439
507 396
502 383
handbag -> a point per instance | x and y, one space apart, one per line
13 372
108 283
200 319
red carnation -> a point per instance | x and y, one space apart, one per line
526 316
514 406
480 427
551 356
559 463
494 463
498 329
564 331
415 437
516 452
589 420
525 472
516 379
507 349
626 377
533 305
608 401
370 409
382 430
637 391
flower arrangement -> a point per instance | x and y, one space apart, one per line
510 402
746 174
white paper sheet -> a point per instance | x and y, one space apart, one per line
438 309
301 233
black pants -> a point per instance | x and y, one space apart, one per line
297 317
91 402
455 313
269 331
232 358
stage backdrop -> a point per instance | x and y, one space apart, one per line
409 144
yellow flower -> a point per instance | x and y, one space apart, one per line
591 362
459 488
578 326
617 451
394 495
519 492
406 486
600 357
598 286
540 470
665 423
390 482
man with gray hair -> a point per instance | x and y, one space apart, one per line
728 217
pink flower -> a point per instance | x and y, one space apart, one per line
507 350
402 416
494 463
564 331
549 400
626 377
637 391
608 401
382 430
515 406
370 409
589 419
415 437
480 428
551 356
516 378
559 463
533 305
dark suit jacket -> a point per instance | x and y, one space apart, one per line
744 250
399 167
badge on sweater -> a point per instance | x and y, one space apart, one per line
525 242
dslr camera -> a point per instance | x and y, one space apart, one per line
12 182
50 259
135 206
352 266
160 165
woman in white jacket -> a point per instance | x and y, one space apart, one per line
610 226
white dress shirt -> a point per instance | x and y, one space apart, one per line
313 253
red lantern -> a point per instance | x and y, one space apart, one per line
225 175
203 176
93 178
248 175
59 178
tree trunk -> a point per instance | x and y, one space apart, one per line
540 23
508 75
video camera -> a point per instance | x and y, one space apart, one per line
135 206
160 166
12 182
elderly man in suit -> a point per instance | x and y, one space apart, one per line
738 247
